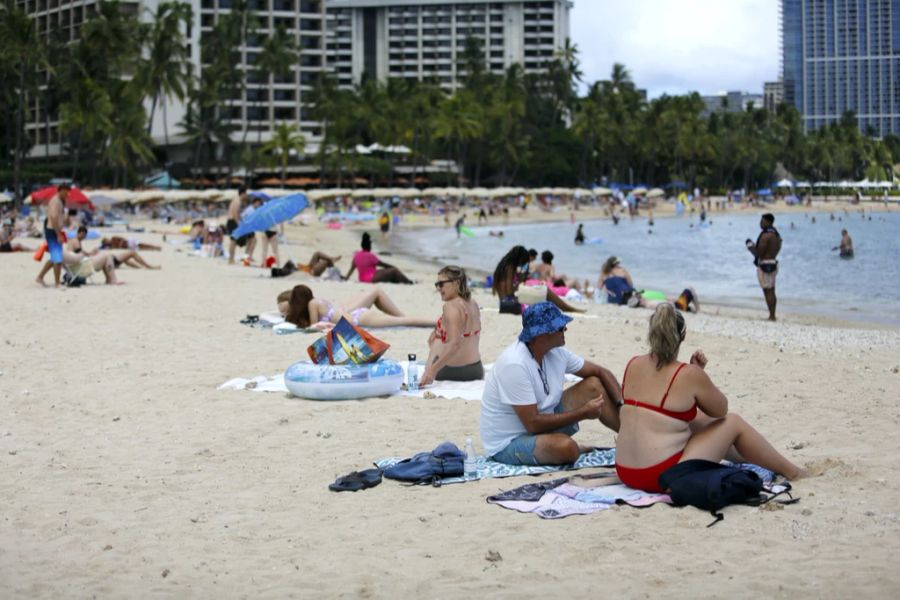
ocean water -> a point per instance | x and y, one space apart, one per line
713 259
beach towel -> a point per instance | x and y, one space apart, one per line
579 495
566 499
487 468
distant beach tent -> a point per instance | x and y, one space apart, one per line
76 198
163 181
784 183
764 192
271 214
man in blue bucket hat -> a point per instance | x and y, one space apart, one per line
526 416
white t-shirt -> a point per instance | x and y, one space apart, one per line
516 380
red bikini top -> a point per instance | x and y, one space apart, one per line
685 415
439 329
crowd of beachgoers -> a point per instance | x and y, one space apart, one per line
664 382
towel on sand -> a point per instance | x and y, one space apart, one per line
566 497
487 468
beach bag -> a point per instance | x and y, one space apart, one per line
510 305
529 295
346 344
429 467
711 486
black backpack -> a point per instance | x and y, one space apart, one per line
429 467
711 486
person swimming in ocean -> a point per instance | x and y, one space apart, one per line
846 245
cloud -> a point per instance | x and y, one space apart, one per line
679 46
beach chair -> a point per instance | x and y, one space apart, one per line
78 274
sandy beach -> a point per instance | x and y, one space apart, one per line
126 473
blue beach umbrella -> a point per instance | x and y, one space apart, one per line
764 192
271 214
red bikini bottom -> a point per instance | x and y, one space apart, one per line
647 478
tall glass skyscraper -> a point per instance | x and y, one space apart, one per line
843 55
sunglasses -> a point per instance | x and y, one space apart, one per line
440 283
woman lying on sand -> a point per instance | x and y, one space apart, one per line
453 344
673 412
303 310
507 277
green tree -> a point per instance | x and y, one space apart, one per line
166 71
286 139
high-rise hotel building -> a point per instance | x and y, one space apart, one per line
843 55
418 39
259 105
423 39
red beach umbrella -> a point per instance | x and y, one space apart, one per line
76 198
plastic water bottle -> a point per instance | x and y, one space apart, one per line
469 467
412 374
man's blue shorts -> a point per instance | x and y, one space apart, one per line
53 246
520 451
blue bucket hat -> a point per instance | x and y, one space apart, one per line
541 318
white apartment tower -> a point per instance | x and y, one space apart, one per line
423 39
261 103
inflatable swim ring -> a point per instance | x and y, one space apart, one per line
343 382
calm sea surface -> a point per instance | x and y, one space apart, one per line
712 259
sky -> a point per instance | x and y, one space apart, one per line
679 46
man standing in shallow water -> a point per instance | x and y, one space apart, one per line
764 252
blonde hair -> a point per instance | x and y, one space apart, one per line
667 329
458 274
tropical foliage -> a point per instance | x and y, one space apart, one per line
107 86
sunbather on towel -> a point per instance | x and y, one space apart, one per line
303 310
454 354
526 416
673 412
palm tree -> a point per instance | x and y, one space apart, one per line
286 139
166 72
457 122
86 115
278 55
129 142
23 52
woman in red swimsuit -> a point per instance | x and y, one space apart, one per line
673 412
453 344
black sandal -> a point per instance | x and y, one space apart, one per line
357 480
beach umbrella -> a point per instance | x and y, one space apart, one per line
602 191
76 199
639 190
784 183
4 197
271 214
656 193
678 185
764 192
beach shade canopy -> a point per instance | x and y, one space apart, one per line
678 185
271 214
76 199
784 183
602 191
162 180
764 192
656 193
639 190
4 197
